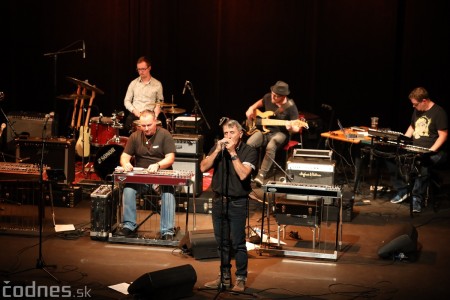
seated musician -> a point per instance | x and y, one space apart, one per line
276 105
144 92
153 148
428 129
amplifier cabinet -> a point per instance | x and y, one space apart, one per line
63 195
103 212
300 213
30 124
59 153
188 144
311 170
190 164
186 124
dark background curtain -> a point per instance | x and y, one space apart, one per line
361 57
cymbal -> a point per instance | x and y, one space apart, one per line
85 85
174 111
162 104
73 97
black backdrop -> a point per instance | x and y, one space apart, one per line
360 57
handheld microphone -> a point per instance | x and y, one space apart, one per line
185 85
84 50
3 126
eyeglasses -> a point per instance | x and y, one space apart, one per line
142 69
416 104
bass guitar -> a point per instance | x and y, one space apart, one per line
262 120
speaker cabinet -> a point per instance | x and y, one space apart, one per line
402 245
30 124
59 153
190 164
172 283
200 243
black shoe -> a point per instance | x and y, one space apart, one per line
167 237
126 232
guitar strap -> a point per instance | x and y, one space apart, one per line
285 106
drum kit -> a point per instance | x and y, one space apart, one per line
104 131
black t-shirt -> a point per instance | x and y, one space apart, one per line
426 125
225 181
288 112
149 150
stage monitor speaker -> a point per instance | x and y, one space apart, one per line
200 244
59 153
29 124
190 164
401 245
172 283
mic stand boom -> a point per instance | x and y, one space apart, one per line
197 107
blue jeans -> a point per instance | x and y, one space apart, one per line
229 231
421 175
274 142
167 219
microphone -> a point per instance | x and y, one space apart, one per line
224 144
185 85
84 50
48 117
3 126
327 106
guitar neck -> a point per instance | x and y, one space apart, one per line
272 122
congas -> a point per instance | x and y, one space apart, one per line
102 130
107 159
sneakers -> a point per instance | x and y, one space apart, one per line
417 206
239 286
215 283
259 180
399 198
417 209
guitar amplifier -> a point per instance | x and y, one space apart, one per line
103 212
299 213
311 170
30 124
188 144
186 124
59 153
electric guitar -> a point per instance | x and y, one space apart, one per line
263 120
82 147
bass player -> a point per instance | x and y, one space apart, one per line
277 106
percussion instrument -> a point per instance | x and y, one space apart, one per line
118 140
86 85
107 159
102 130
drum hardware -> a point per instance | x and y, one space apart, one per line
174 110
72 96
86 85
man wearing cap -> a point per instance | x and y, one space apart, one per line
283 108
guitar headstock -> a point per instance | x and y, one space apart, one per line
300 123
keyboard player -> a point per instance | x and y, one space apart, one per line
428 129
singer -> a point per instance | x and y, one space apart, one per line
143 93
233 162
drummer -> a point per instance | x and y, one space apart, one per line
143 93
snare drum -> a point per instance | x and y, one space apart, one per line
118 140
102 130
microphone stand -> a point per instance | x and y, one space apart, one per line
197 107
40 264
55 63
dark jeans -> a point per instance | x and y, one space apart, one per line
229 221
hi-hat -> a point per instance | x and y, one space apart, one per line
85 85
73 97
174 111
162 104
